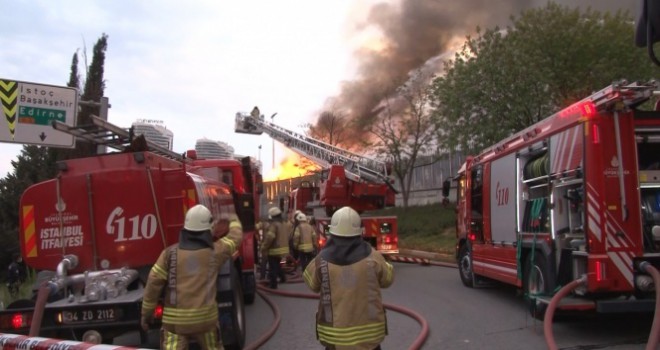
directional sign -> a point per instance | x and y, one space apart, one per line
29 108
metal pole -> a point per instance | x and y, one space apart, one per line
272 117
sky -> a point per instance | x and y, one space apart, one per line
194 64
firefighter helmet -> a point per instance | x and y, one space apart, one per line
198 218
346 222
301 217
274 211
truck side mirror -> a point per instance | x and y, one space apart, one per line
647 31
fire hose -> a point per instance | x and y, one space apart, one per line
654 335
416 345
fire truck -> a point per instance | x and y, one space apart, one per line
347 179
96 229
575 194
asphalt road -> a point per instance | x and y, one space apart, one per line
458 318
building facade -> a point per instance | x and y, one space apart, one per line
154 131
211 149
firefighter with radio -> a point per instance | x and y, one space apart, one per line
276 245
349 275
188 271
304 240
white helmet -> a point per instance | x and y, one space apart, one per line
346 222
274 211
198 218
301 217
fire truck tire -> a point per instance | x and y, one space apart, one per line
465 266
535 282
232 318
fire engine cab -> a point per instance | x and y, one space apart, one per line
576 194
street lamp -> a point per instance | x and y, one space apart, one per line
272 118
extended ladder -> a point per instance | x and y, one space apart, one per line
356 166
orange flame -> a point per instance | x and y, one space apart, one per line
293 165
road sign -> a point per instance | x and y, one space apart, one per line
29 108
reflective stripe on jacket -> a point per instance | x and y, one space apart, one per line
276 242
304 237
190 304
350 312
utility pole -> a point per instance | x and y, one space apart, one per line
272 118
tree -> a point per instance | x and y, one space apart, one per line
502 81
405 129
36 163
93 91
331 128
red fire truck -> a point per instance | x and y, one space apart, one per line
347 179
576 194
95 230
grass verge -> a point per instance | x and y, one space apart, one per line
429 228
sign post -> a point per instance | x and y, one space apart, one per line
28 110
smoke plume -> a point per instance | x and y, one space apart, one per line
413 33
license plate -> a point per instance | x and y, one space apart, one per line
84 316
385 246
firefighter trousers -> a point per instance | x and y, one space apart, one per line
206 341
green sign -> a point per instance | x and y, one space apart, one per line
39 116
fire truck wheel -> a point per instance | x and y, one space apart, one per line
233 331
465 266
535 282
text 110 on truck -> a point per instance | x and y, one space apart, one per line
95 231
576 194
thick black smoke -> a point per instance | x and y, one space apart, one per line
416 31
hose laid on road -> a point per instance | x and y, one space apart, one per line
276 323
416 345
550 312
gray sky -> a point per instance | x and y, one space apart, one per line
194 64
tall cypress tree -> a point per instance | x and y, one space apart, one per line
93 91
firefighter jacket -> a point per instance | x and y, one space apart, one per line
276 242
188 272
304 237
262 227
349 275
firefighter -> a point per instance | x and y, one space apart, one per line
188 271
349 275
262 226
292 246
15 275
304 240
275 245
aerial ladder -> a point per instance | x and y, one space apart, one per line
358 168
348 179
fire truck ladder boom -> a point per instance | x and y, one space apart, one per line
100 132
629 93
356 166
